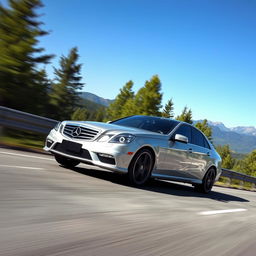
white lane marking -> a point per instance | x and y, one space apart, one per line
222 211
21 167
30 156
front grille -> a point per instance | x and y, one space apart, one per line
80 132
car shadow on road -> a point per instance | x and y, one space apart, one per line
159 186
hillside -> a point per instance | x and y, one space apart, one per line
95 98
241 139
241 143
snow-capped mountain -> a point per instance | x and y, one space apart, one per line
249 130
241 139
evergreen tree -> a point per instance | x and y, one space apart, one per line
227 160
80 114
129 108
148 99
205 128
168 109
248 164
100 114
115 109
20 85
64 96
185 116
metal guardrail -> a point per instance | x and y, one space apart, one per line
24 121
238 176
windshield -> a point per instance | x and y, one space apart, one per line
149 123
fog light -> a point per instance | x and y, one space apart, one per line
105 155
49 143
106 158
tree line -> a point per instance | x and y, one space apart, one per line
25 85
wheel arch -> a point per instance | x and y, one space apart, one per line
212 167
148 148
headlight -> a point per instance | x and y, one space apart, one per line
57 126
124 138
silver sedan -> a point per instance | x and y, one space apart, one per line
140 146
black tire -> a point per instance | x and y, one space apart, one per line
66 162
208 182
140 167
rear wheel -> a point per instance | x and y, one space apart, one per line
208 182
140 168
66 162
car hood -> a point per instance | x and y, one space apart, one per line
113 128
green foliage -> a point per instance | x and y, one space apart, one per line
100 114
64 97
148 99
205 128
80 114
185 116
116 108
22 85
227 161
168 109
248 164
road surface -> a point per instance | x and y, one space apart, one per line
46 209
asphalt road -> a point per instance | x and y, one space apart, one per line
46 209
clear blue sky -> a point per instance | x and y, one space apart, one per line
204 51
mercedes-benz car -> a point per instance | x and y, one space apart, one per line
141 146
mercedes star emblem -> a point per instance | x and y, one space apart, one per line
76 131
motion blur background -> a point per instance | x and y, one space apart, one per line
105 59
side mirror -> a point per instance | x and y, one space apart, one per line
109 122
181 138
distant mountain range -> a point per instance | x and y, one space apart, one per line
247 130
95 98
241 139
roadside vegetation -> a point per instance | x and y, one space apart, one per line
26 86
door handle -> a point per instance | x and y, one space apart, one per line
208 154
190 150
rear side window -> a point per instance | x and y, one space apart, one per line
206 144
185 130
197 138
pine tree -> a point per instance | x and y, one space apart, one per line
205 128
168 109
185 116
80 114
100 114
64 96
20 55
148 99
116 108
248 164
227 160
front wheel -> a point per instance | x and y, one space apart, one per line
140 168
66 162
207 183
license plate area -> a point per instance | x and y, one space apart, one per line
71 146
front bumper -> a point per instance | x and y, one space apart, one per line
111 156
